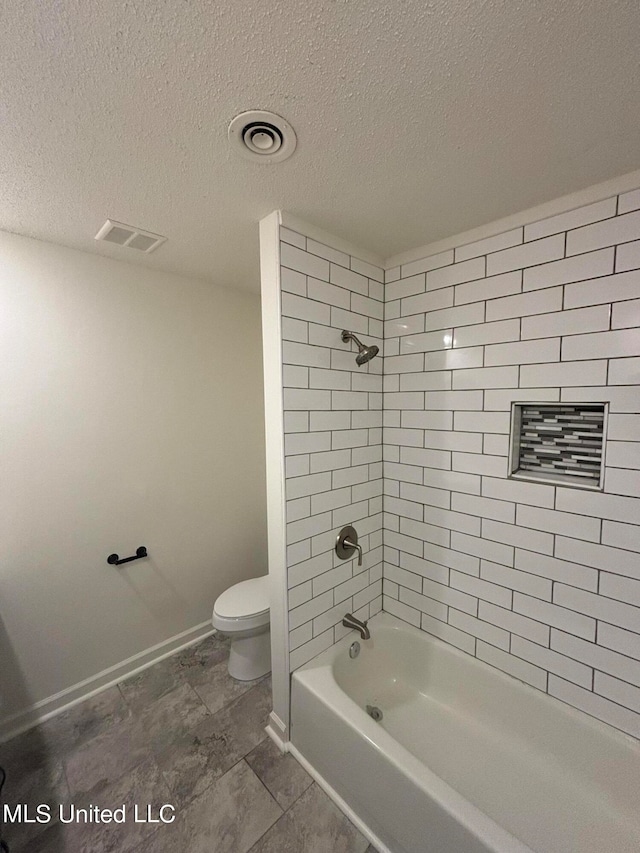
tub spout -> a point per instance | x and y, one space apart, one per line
350 621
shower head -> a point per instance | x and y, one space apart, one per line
365 353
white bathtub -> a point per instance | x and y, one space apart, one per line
465 759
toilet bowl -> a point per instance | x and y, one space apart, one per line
242 613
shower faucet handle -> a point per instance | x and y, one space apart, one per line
347 544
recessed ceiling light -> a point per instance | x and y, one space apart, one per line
262 136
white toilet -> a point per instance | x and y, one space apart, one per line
242 612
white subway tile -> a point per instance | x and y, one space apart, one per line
295 376
477 463
296 554
296 399
296 421
513 534
599 505
306 442
597 706
557 570
293 282
626 315
486 333
624 371
341 439
327 252
404 364
298 487
430 263
394 539
402 611
481 588
330 460
304 354
621 482
299 615
558 617
405 400
619 399
299 594
485 377
620 588
483 630
579 526
527 255
628 201
296 466
495 552
403 578
618 691
425 532
489 244
347 278
325 336
341 319
309 650
289 236
321 291
300 508
426 342
452 440
391 274
484 507
448 633
404 437
364 305
624 428
376 290
456 274
307 527
620 229
431 606
596 656
571 219
625 642
301 308
427 420
329 500
453 480
365 268
349 400
515 579
430 301
502 400
320 421
536 494
622 535
462 315
601 345
432 381
451 597
294 330
550 660
522 304
454 359
578 268
495 445
628 256
297 259
623 454
518 668
612 288
300 635
514 623
349 476
425 495
489 288
524 352
482 421
575 322
407 286
452 520
598 556
596 606
564 373
425 568
466 400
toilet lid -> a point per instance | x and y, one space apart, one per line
248 598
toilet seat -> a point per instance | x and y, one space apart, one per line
244 606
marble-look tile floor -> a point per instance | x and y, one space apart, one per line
183 733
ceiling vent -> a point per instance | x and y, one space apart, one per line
127 235
262 136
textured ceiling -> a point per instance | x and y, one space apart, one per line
415 120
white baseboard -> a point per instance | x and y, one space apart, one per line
278 733
344 807
65 699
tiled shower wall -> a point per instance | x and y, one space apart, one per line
540 581
333 439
